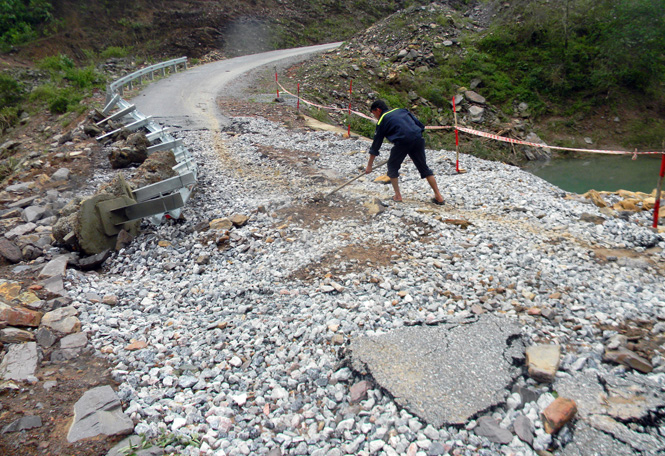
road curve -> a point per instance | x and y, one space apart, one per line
186 100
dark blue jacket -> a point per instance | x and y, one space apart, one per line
399 126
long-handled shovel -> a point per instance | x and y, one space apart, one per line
355 178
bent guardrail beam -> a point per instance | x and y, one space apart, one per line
156 201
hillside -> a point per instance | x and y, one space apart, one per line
421 56
574 85
159 29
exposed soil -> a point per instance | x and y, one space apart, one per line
350 259
55 407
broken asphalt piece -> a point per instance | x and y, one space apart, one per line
628 358
445 374
611 404
639 441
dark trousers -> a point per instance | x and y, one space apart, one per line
415 149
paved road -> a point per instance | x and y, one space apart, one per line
187 100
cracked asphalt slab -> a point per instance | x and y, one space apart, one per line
445 374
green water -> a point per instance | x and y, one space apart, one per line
600 172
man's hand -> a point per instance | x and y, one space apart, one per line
370 163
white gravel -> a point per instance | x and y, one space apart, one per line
242 359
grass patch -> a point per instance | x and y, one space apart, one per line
115 52
645 133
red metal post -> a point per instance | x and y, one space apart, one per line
276 83
298 104
456 138
656 207
350 97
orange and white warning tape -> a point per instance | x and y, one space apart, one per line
480 133
527 143
330 108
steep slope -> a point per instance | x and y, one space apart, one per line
195 28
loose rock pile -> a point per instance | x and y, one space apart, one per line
233 328
215 340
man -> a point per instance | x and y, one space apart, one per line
404 130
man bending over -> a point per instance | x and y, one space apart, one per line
404 130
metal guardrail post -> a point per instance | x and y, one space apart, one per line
167 196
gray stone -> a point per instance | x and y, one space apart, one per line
25 202
62 320
476 113
527 394
70 346
61 175
45 337
94 261
474 97
18 188
628 358
33 213
98 412
358 391
20 230
430 372
20 362
10 251
57 266
488 427
535 152
23 424
15 336
436 449
523 429
54 285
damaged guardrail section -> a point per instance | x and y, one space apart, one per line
156 201
165 198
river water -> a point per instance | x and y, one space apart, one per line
600 172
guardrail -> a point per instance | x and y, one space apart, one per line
162 199
117 87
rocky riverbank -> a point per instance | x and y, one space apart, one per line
239 328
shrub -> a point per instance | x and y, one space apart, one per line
56 63
83 78
19 20
10 90
8 117
58 100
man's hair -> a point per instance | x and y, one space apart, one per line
380 104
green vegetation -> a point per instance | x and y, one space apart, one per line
573 50
115 52
11 95
20 20
67 86
11 91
